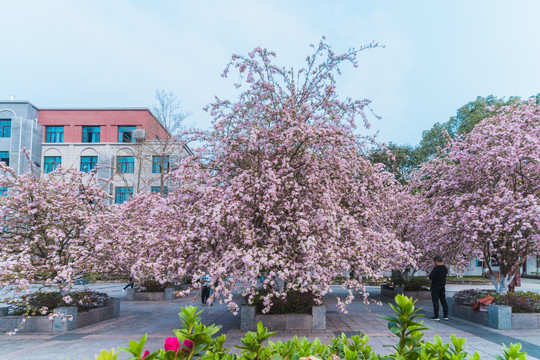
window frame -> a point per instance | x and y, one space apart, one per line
157 190
124 166
156 165
3 158
128 129
91 134
124 193
5 128
92 165
47 165
56 136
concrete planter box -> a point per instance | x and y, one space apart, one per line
497 316
315 321
80 319
134 295
417 295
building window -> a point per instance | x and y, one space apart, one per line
122 194
160 163
125 134
126 164
4 157
54 134
5 128
51 163
3 191
88 163
157 189
90 134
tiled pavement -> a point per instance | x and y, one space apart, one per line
159 318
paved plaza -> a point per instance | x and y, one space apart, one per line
160 317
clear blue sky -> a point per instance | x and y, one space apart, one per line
439 55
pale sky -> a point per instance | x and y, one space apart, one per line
439 55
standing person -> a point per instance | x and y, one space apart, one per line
438 292
130 284
205 293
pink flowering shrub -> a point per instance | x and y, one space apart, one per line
280 187
482 194
43 221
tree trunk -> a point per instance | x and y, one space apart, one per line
501 286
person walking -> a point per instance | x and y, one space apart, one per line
205 293
130 284
438 291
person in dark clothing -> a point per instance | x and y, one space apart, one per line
438 292
130 284
206 288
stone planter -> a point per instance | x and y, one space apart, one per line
79 319
417 295
316 321
134 295
497 316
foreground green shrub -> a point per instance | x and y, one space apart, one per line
197 341
520 301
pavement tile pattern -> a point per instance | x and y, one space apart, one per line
159 318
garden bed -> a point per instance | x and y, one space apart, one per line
497 317
393 291
519 310
79 319
136 295
314 321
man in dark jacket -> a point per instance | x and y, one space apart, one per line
438 293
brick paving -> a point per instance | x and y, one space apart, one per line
160 317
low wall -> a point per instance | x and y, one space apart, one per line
418 295
315 321
79 319
497 316
134 295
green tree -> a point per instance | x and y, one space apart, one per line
463 122
400 160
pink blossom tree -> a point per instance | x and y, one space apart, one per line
482 194
282 188
43 220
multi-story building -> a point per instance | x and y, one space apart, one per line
19 129
127 147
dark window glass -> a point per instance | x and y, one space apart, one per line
159 163
4 157
51 163
88 163
157 189
126 164
90 134
122 194
125 133
5 128
55 134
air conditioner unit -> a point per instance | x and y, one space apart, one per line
139 134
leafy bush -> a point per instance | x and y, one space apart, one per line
521 302
88 299
197 341
469 297
414 284
44 302
295 302
154 286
